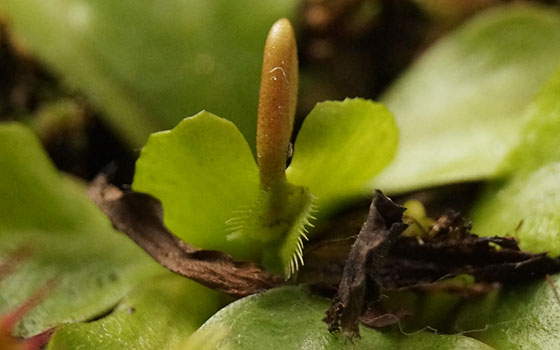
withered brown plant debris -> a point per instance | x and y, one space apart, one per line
140 216
382 259
354 269
360 279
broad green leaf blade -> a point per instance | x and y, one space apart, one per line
68 237
148 64
155 316
203 172
459 108
526 204
291 318
538 143
33 194
340 147
523 318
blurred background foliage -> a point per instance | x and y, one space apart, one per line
95 78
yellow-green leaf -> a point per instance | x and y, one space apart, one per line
340 147
204 173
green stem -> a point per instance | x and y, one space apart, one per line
277 103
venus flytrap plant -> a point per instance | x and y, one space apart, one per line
282 210
215 196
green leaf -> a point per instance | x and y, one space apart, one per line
538 143
459 108
159 315
526 207
291 318
523 318
30 181
203 172
68 237
148 64
340 147
526 203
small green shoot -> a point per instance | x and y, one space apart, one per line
214 195
280 214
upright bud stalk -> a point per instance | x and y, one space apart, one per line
277 103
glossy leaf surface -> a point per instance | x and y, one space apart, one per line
459 108
290 318
523 318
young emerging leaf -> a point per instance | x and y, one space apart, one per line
215 197
277 103
278 217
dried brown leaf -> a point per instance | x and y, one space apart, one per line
360 279
140 216
381 258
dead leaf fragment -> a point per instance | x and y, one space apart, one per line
140 216
360 283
